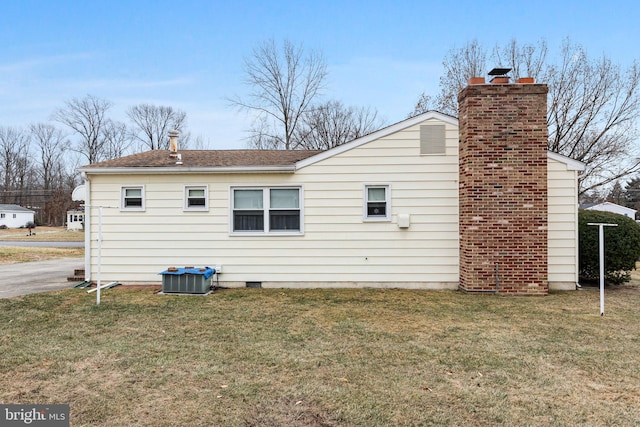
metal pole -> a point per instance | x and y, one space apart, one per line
99 253
601 259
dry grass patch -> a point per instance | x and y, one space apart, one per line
18 254
42 234
15 254
249 357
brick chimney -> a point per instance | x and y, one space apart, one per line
503 187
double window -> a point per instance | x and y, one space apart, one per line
377 206
133 198
266 210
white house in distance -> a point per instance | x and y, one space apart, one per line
380 211
75 220
613 207
14 216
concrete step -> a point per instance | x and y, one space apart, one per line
78 275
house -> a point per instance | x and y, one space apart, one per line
75 220
14 216
430 202
612 207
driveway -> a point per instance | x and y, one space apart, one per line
42 276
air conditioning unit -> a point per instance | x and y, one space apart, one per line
187 280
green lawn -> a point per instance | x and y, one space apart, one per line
259 357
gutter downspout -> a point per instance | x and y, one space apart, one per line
576 221
87 228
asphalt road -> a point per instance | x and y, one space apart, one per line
42 276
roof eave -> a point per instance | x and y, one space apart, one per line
186 170
572 164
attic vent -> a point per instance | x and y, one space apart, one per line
432 139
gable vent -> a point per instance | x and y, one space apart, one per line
432 139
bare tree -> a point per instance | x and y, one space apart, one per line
14 163
55 170
87 118
331 124
284 83
51 144
153 123
593 106
593 115
425 103
197 143
459 66
116 139
524 60
24 179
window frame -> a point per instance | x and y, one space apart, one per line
266 211
195 208
123 198
365 203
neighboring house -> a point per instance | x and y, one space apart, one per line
612 207
14 216
75 220
385 210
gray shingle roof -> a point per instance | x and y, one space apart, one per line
13 208
207 158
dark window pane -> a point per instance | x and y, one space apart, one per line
133 202
376 209
194 201
248 221
284 220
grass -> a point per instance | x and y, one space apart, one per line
42 234
265 357
18 254
13 254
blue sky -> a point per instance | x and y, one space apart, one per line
189 54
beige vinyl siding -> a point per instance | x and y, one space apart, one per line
563 226
338 248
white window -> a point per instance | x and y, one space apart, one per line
196 198
266 210
377 205
284 209
2 215
133 198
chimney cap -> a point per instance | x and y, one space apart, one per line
499 71
173 133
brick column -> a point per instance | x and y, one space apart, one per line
503 188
